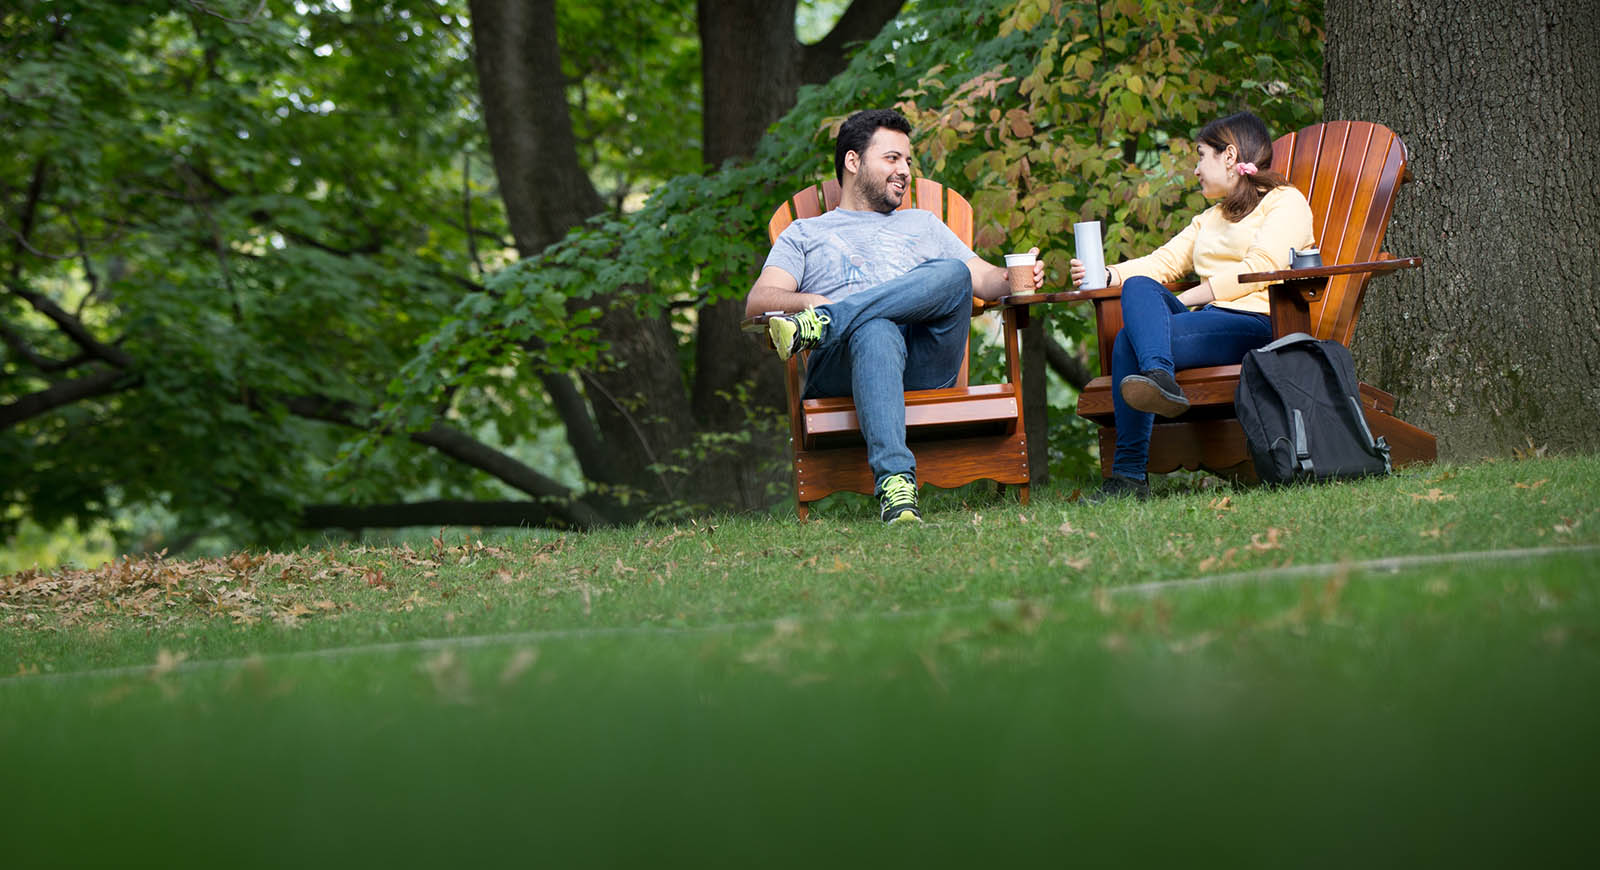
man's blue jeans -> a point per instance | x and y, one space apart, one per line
1158 332
908 333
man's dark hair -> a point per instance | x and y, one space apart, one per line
857 130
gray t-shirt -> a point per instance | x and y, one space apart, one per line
843 252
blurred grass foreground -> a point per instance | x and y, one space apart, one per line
1395 671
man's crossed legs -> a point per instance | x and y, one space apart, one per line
908 333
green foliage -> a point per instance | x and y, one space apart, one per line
262 201
245 200
634 69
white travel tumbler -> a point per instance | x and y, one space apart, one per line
1086 243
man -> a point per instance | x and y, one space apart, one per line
882 298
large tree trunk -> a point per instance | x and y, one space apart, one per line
639 412
544 187
752 66
1495 342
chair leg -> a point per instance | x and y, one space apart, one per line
1022 494
803 509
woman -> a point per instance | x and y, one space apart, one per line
1259 216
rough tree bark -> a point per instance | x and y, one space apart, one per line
1495 342
637 405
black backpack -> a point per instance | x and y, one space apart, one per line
1297 402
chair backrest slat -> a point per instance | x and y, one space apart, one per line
925 193
1350 172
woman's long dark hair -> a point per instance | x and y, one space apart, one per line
1248 135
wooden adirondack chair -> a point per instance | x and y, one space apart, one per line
1350 172
959 434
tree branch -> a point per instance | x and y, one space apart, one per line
73 327
862 21
573 409
430 513
1070 368
100 383
25 352
465 449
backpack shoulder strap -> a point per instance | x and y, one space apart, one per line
1291 338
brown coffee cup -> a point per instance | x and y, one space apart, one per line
1019 268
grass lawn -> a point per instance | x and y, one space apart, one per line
1401 671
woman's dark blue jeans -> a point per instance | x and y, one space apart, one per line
1158 332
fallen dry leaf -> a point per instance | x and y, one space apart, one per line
1211 563
1270 542
243 586
1433 496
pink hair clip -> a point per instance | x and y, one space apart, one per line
1245 168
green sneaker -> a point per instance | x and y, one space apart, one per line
792 333
898 496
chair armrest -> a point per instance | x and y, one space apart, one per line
758 323
1112 292
1385 265
1020 300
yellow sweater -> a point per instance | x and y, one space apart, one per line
1216 249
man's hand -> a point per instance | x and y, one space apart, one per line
776 290
991 282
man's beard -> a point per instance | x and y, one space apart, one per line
878 196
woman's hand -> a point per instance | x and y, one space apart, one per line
1197 295
1079 273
